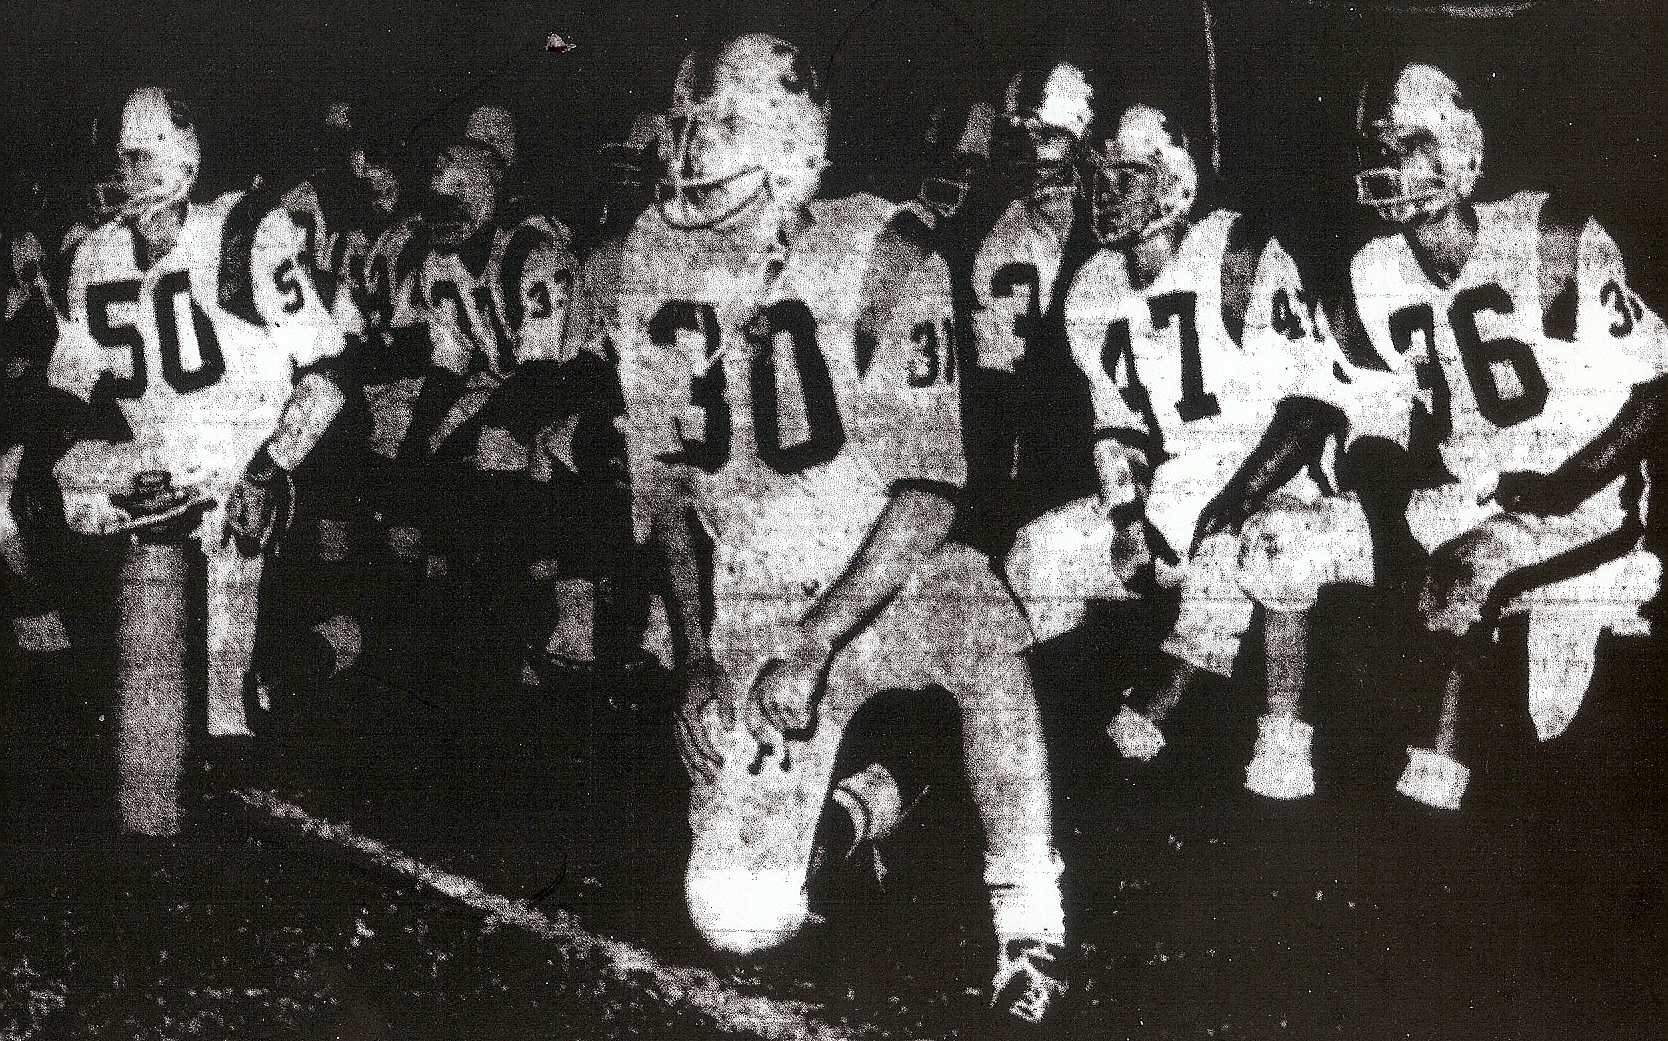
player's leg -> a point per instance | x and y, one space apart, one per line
35 621
1289 551
1211 623
973 636
1067 557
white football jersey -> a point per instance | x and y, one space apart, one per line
796 418
1164 366
199 349
1013 285
491 305
1510 378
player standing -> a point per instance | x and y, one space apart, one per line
217 359
821 453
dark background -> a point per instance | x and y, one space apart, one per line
1571 93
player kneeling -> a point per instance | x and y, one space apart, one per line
193 320
821 453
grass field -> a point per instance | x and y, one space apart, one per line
419 853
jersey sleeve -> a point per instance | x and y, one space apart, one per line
906 417
538 295
1088 311
595 304
1609 311
285 297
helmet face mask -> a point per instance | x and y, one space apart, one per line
1421 148
463 197
1039 139
1144 179
745 128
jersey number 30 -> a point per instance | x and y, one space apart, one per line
172 299
788 320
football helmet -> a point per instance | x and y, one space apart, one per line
1145 179
747 126
463 196
1421 147
493 128
958 151
1040 134
157 153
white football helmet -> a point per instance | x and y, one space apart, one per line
748 125
1421 147
1145 179
1043 121
157 153
493 127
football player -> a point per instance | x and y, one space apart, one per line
632 169
199 323
1031 422
819 451
490 403
1526 367
1188 331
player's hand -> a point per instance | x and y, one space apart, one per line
784 692
1524 491
1222 513
260 506
708 711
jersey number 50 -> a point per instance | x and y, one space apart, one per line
171 297
826 434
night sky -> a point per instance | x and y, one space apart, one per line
1570 94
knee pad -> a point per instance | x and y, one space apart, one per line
743 912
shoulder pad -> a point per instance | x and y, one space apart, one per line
1558 233
1248 238
244 214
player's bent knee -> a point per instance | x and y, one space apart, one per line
741 911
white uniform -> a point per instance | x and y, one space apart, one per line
199 350
797 425
487 309
1508 379
1168 374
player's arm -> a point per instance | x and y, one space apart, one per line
909 425
539 290
298 323
1294 348
1611 319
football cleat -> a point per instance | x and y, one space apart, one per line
1028 979
1136 736
1280 767
1433 779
